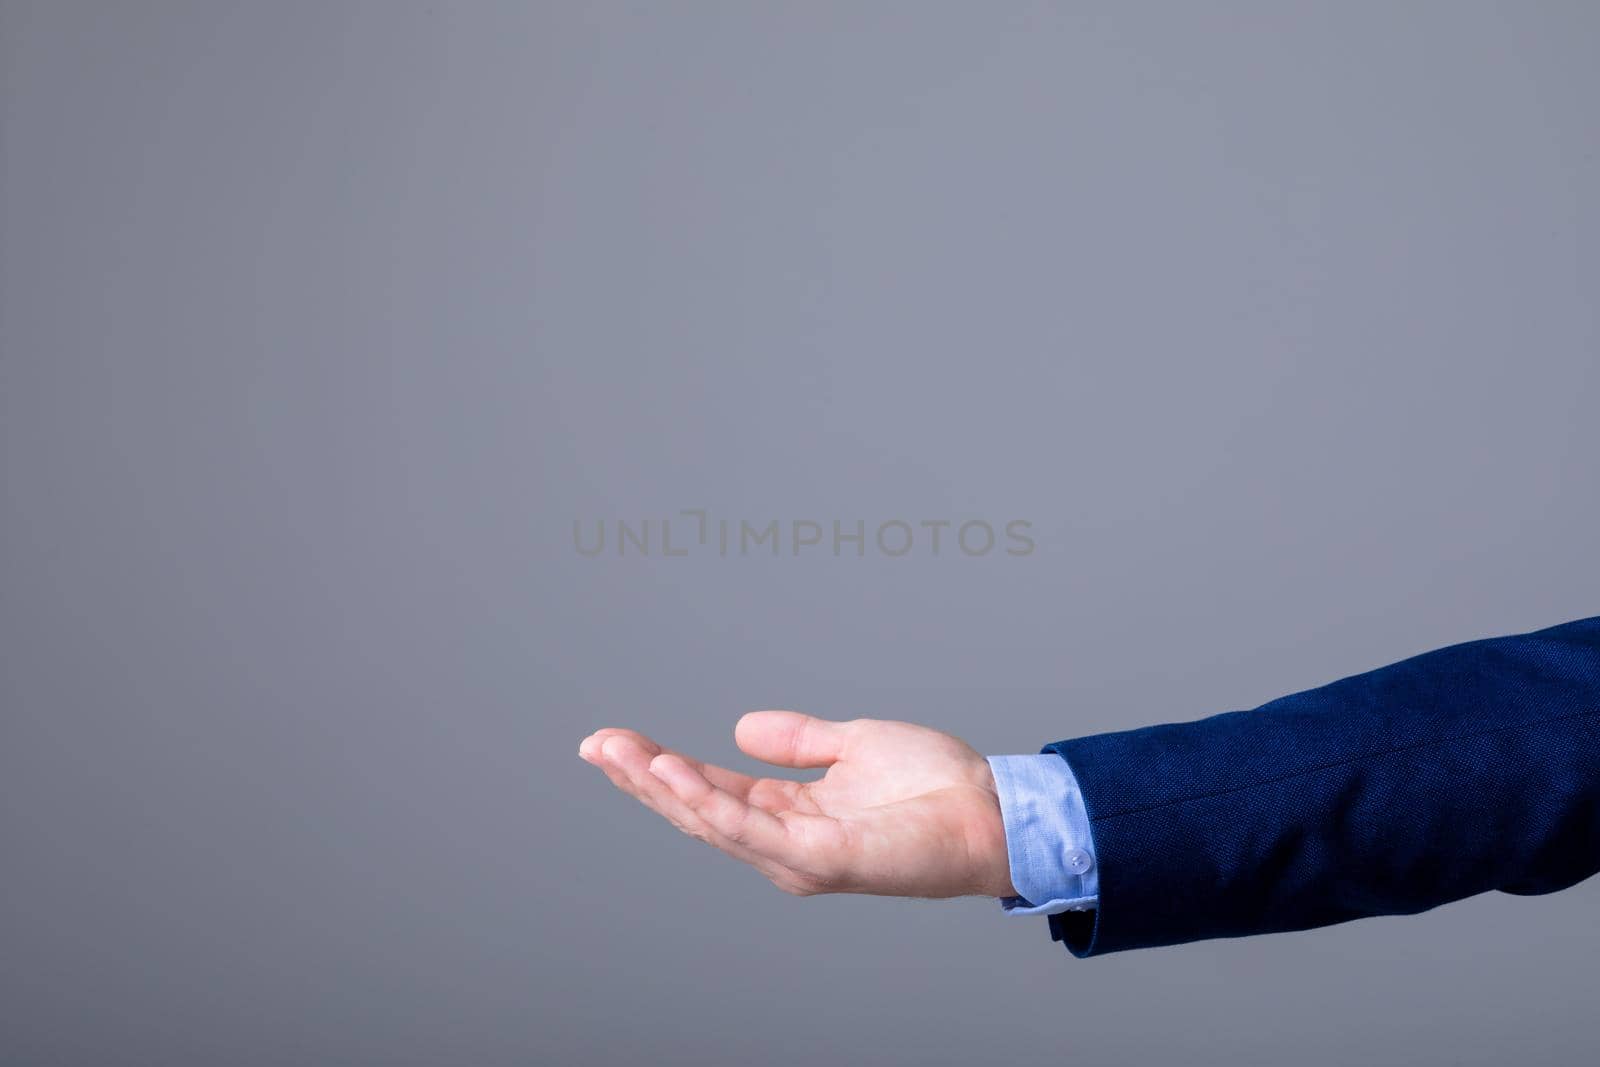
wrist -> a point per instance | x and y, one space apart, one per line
986 841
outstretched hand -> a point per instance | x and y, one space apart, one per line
902 810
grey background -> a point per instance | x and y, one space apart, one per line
322 323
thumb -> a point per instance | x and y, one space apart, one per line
791 739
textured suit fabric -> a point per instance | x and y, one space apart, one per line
1466 769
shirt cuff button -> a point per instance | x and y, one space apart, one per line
1078 860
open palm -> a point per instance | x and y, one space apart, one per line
902 810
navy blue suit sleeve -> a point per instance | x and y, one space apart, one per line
1466 769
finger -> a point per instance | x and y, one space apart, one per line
791 739
633 762
771 794
618 775
805 843
740 785
626 761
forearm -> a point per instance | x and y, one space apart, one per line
1471 768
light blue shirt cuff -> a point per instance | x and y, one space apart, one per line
1048 841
